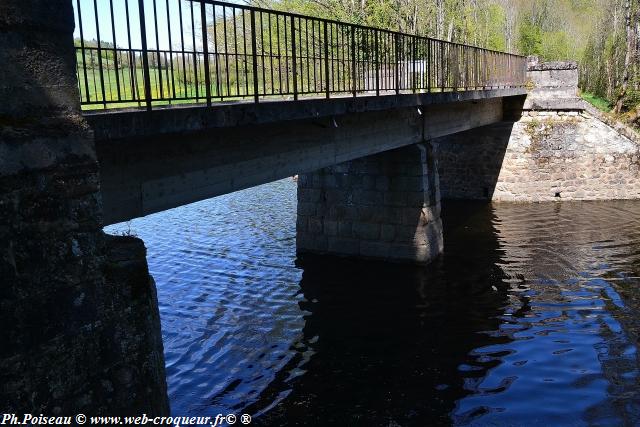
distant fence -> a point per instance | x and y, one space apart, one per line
158 52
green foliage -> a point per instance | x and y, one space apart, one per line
597 101
555 46
530 39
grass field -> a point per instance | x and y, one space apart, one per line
598 102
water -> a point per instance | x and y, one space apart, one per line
530 318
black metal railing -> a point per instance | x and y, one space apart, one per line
158 52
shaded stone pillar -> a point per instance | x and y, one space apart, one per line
385 206
79 323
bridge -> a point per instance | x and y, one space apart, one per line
152 104
281 94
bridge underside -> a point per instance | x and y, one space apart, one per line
153 161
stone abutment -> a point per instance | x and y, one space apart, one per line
79 322
558 148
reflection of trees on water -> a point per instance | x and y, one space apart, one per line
583 258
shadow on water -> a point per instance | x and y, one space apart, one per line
392 344
529 318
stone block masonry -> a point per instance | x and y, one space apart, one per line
384 206
558 148
79 322
544 156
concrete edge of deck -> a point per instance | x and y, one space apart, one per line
121 124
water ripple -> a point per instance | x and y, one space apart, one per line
530 317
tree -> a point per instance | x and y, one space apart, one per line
627 57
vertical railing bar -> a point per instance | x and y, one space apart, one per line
226 49
397 67
84 58
216 55
280 53
339 53
334 57
442 69
166 72
415 59
313 50
429 42
262 50
340 58
363 50
256 98
205 49
244 46
327 78
353 60
195 54
182 54
300 57
100 71
145 58
235 49
286 57
293 58
271 53
173 81
377 61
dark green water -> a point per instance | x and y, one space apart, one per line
531 317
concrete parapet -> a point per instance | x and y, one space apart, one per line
552 85
384 206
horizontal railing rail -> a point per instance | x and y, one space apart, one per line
157 52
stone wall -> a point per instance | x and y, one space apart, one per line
544 156
384 206
558 149
79 323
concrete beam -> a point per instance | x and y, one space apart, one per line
122 124
143 175
460 116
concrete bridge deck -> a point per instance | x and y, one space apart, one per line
160 159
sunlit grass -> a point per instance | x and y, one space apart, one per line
598 102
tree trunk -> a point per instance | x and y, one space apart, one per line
440 19
627 58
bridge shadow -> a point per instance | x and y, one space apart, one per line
470 162
393 344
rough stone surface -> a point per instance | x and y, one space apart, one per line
558 149
384 206
552 85
545 156
79 323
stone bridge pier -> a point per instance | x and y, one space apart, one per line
384 206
